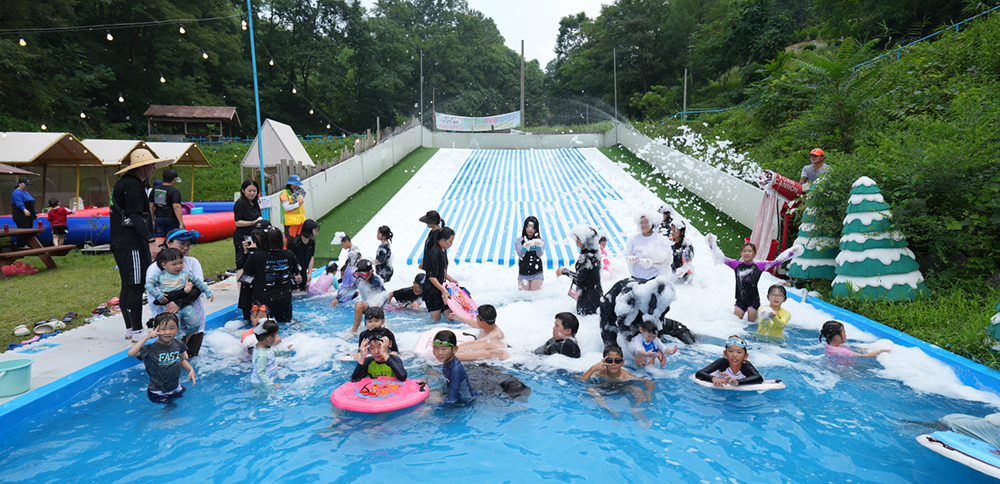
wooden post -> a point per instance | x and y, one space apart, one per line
192 182
78 181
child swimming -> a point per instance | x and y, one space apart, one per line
773 318
174 278
836 336
748 274
459 387
381 363
647 346
490 342
163 359
733 368
611 370
265 363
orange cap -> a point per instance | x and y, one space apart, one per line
817 151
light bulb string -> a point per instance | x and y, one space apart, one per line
126 25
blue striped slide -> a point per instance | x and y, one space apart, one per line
495 190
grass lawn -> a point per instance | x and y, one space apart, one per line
79 284
351 215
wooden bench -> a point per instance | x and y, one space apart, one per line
44 253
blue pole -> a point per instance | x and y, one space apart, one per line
256 98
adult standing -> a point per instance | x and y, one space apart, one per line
293 199
647 254
182 240
434 224
812 172
165 202
132 241
22 206
246 211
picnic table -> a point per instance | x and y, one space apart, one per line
10 252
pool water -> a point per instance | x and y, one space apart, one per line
836 422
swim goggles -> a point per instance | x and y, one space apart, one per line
609 360
734 340
362 275
438 342
258 307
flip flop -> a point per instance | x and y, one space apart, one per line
22 330
69 317
113 301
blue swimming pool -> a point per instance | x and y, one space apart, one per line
835 423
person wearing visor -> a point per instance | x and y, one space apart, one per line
182 240
132 241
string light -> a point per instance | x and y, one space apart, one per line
181 28
244 24
310 110
270 63
44 127
204 54
293 89
20 40
328 126
82 115
110 37
121 98
162 79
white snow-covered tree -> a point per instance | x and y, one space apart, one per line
819 259
874 261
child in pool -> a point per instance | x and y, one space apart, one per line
352 251
647 347
365 286
324 282
773 318
529 249
408 297
836 336
459 387
748 274
563 340
611 370
375 318
733 368
163 359
381 363
174 278
490 342
683 251
258 313
265 362
586 288
383 256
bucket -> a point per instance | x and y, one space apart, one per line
15 377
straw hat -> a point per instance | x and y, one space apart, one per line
142 157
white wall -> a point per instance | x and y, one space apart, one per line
327 189
330 188
733 196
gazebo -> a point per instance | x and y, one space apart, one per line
185 115
47 150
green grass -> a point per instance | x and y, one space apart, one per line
705 217
601 127
79 284
351 215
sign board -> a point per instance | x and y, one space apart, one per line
450 122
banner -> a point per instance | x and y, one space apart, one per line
450 122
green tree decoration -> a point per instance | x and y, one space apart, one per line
874 262
819 259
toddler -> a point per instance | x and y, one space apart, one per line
648 347
163 359
265 362
174 278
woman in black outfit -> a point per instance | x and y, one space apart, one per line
274 271
246 210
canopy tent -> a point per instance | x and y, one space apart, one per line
114 152
280 143
46 149
12 170
186 154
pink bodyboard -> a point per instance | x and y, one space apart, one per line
382 394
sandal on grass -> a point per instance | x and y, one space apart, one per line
49 326
22 330
69 317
